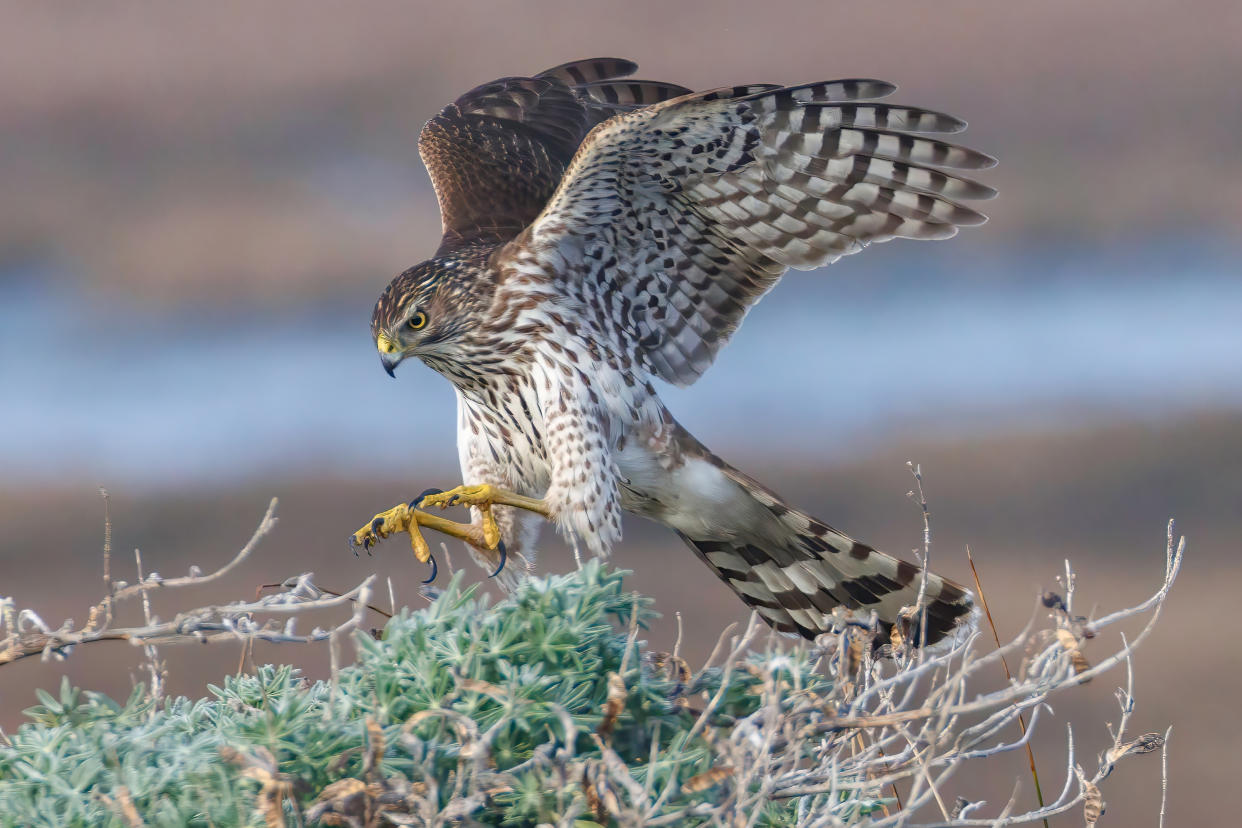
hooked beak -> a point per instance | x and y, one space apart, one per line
389 357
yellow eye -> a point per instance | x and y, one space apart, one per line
417 321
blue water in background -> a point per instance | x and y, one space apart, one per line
828 364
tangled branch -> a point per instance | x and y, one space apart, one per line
547 708
915 721
25 634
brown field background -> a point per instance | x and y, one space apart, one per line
174 157
148 140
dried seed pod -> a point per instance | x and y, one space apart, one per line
1092 804
124 805
375 746
705 780
340 802
854 655
1143 744
486 688
895 638
612 706
593 801
261 766
676 666
1070 644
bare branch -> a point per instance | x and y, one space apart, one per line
27 635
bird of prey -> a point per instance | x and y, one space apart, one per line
600 233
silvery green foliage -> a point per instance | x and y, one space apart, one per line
545 709
526 679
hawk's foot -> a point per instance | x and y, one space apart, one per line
406 518
483 498
398 519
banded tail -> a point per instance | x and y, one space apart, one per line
801 571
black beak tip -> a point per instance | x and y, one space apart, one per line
388 367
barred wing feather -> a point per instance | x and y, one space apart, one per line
700 203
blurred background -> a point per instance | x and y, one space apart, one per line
201 203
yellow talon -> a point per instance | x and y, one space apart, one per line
400 518
405 518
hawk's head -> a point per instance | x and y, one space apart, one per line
421 311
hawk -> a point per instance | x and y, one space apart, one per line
600 233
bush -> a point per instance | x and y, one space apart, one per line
546 708
465 707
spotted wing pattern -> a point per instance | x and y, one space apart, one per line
690 210
497 153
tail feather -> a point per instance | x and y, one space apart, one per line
797 578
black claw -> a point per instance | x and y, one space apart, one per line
376 524
452 501
353 545
434 569
416 502
366 544
504 556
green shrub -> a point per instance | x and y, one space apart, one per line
546 709
493 713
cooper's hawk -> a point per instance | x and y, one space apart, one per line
602 233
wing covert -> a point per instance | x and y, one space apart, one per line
497 153
700 204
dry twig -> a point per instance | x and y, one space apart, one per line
25 634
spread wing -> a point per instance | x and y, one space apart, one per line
497 153
687 212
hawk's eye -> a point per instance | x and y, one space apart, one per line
417 321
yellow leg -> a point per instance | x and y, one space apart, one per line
406 518
484 498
